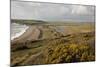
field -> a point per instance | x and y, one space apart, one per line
55 42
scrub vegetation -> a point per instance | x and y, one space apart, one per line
65 43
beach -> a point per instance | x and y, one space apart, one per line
32 33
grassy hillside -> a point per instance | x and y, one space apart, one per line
77 44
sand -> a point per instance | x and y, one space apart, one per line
32 33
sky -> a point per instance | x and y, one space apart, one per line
52 11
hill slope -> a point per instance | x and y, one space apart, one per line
63 49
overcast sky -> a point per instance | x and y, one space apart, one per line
51 11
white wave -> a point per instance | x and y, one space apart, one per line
17 30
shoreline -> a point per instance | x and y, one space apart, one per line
31 33
19 34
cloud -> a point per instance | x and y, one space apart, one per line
50 11
80 10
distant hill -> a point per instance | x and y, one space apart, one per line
39 22
27 22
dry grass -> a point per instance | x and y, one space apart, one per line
77 44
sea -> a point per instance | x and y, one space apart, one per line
17 30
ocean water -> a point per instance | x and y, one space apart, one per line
17 30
